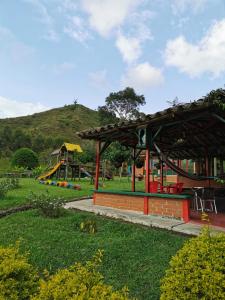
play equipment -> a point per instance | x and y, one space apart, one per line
64 184
51 172
65 162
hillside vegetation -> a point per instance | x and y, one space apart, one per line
46 130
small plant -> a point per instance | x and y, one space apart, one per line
38 171
18 279
46 204
88 226
197 271
13 182
4 188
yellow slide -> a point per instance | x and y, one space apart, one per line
51 172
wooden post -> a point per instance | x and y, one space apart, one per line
187 165
98 146
161 172
215 167
147 183
133 171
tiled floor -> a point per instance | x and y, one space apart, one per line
214 219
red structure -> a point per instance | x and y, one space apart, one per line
189 131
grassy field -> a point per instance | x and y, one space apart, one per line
134 256
19 196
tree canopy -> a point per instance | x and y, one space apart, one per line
124 105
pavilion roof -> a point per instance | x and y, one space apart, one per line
187 130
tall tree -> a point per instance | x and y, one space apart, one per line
106 116
125 104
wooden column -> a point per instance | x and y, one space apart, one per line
161 172
133 171
187 165
147 176
98 146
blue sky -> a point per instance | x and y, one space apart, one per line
55 51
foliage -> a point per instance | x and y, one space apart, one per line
117 154
125 104
38 171
197 271
4 188
13 182
18 279
79 282
139 163
216 96
43 132
49 206
106 116
88 226
25 157
55 244
7 185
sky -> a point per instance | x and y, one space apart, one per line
53 52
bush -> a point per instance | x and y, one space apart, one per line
4 188
25 157
18 279
79 282
38 171
47 205
13 183
197 271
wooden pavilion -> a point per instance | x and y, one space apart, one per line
194 130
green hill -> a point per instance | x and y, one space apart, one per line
46 130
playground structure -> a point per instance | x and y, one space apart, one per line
65 166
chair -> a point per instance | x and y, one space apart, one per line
197 199
176 188
208 201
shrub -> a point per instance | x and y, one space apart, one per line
25 157
38 171
18 279
197 271
78 282
13 182
47 205
4 188
88 226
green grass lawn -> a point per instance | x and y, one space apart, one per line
134 256
18 197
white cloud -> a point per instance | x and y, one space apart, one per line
45 18
143 76
130 48
208 55
63 68
98 79
181 6
77 29
11 108
107 15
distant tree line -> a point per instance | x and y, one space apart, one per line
11 140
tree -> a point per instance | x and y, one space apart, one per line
125 104
106 116
26 158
